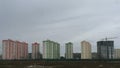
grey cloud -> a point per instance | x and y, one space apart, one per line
59 20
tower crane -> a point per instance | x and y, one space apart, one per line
107 38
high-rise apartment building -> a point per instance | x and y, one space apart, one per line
25 50
21 50
51 50
85 50
69 50
7 49
105 49
35 51
116 53
14 49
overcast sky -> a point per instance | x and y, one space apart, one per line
60 20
